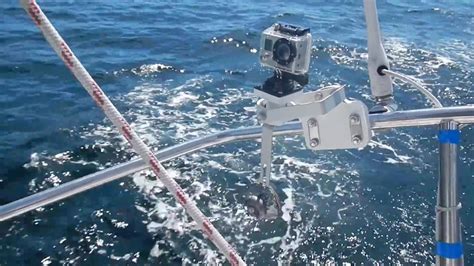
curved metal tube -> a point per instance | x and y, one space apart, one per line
99 178
422 117
434 101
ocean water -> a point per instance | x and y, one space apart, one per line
179 70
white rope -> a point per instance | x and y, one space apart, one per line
436 103
71 61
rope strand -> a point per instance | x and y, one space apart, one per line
94 90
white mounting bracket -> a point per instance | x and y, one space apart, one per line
330 121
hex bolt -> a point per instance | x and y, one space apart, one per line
355 119
356 139
314 142
318 96
312 122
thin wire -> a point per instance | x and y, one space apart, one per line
436 103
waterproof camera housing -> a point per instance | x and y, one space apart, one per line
287 48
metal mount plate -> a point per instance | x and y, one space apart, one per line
346 126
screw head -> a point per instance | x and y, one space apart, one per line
262 103
355 119
312 122
314 142
318 96
356 139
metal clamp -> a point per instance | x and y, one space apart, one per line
330 121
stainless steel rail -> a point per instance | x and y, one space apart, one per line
449 247
422 117
99 178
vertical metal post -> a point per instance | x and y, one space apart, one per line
266 154
449 248
380 84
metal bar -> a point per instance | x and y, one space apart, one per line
380 85
99 178
422 117
266 154
449 248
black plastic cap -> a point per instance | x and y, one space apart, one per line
380 70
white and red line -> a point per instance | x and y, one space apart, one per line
63 50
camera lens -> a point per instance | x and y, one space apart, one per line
283 51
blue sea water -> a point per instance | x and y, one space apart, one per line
183 69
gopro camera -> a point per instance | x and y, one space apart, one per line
287 48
